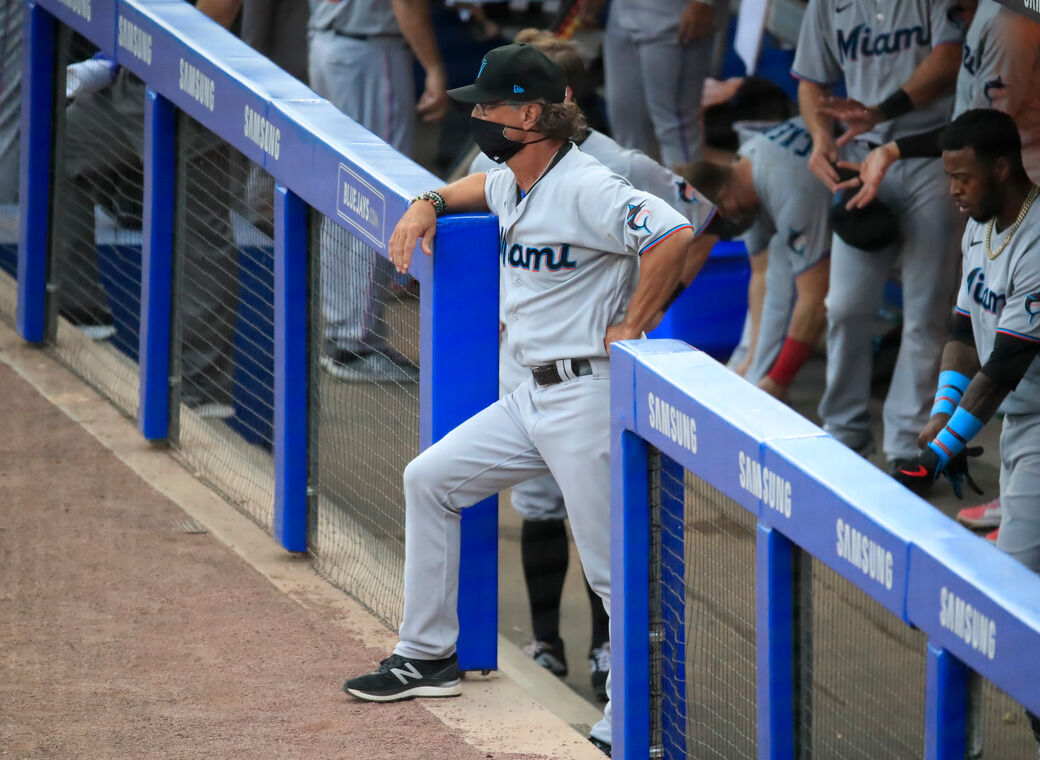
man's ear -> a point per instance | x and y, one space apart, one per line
530 114
1002 169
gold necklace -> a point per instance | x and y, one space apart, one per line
1018 222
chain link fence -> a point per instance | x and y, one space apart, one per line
364 415
95 272
11 21
703 702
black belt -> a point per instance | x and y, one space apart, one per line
548 374
363 37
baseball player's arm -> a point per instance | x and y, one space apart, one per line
821 127
877 162
756 297
808 320
660 269
419 222
934 76
697 21
413 16
221 11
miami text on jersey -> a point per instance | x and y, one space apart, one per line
860 42
533 258
989 300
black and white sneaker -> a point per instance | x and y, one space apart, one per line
602 746
386 366
404 678
550 655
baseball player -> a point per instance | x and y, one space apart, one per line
990 361
543 537
656 56
361 59
770 187
903 56
586 259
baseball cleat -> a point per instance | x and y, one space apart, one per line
404 678
599 668
992 536
374 367
602 746
549 655
983 517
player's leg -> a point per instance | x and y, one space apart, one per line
574 437
857 279
599 645
210 302
930 264
777 302
630 123
673 83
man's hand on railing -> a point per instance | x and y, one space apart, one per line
418 225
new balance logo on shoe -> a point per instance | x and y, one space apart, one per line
409 671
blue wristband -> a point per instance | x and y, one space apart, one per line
952 385
962 427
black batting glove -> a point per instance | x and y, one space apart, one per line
919 474
956 471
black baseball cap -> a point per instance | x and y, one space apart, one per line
517 72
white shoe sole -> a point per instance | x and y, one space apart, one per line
452 689
97 333
987 523
215 411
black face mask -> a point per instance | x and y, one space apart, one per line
492 141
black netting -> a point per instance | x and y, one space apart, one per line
866 669
998 727
365 415
703 557
95 271
11 20
223 421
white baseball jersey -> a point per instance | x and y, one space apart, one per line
641 171
876 45
1003 296
651 19
1001 69
367 18
793 217
581 228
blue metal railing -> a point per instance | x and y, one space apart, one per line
318 158
977 606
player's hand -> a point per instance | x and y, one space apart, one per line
928 433
871 172
745 364
857 118
773 388
696 22
588 12
919 474
620 331
434 102
419 224
956 471
822 159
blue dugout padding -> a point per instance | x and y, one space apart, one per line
976 604
320 158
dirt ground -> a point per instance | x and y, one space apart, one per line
124 634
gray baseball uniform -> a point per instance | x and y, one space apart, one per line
653 83
569 252
361 63
1000 69
876 45
793 216
10 102
1002 295
541 498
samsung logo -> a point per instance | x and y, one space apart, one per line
197 85
79 7
262 132
764 484
135 40
976 629
868 556
671 423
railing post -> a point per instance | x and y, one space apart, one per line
153 419
629 598
290 369
946 708
459 366
775 643
37 142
